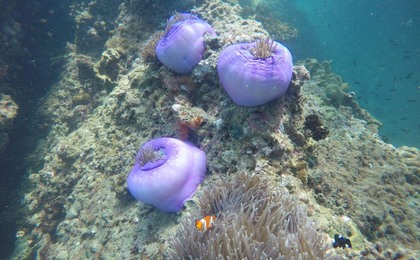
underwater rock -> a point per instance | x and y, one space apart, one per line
108 68
182 46
189 118
81 98
271 21
148 52
166 173
356 170
318 131
255 73
411 158
85 65
8 111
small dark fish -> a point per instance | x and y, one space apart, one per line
407 57
403 118
354 63
393 43
379 84
411 101
405 130
329 25
357 82
340 241
392 89
387 99
408 76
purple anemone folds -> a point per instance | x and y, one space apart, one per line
166 173
182 47
255 73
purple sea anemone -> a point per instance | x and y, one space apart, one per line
182 46
166 173
255 73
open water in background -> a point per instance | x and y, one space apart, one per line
374 46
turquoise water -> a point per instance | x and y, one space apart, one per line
374 46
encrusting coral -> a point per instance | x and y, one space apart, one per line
254 221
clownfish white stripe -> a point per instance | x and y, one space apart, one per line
205 223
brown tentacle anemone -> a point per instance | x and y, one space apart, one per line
263 48
255 220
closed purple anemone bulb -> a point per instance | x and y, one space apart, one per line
182 47
166 173
255 73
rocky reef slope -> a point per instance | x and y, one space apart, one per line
315 142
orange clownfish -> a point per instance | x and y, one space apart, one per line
205 223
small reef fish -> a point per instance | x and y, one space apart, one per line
340 241
205 223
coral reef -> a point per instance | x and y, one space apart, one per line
12 51
75 199
314 125
148 52
8 111
255 220
272 22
